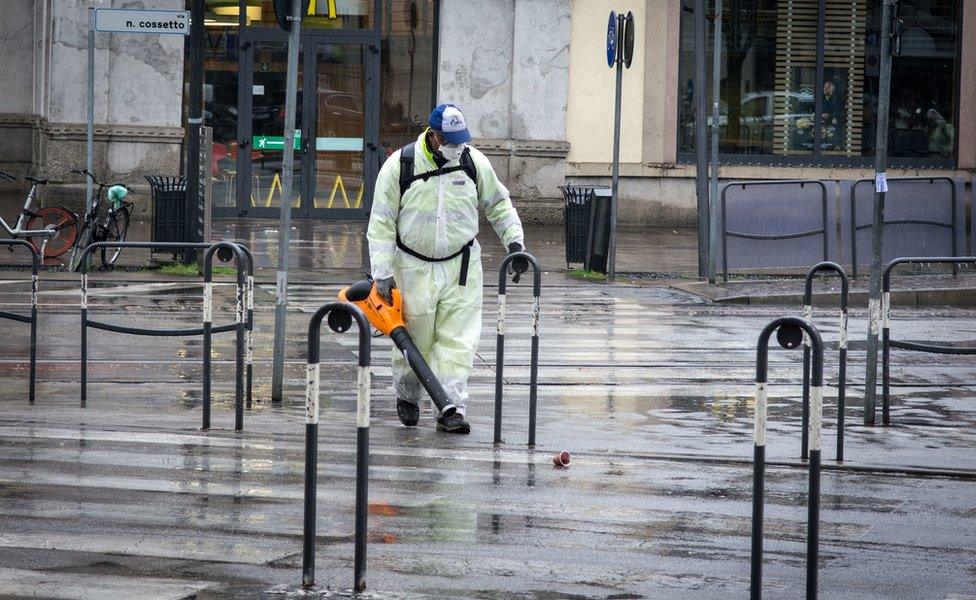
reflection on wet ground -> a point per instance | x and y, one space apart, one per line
319 245
649 388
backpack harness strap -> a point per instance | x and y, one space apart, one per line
407 178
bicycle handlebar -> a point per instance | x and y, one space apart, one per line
88 174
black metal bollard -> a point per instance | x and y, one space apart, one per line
249 331
240 260
842 344
240 254
341 316
887 343
32 320
789 333
500 344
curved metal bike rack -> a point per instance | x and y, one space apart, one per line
887 343
823 267
790 332
500 343
341 315
242 263
240 260
822 231
32 319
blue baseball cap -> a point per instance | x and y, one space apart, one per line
448 121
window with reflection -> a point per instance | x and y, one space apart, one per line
774 103
407 70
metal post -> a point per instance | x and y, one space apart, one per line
805 407
886 354
500 343
90 121
35 259
792 327
826 266
250 334
880 189
84 335
534 357
716 96
500 358
194 121
284 228
362 476
701 151
207 341
614 197
240 331
311 443
311 459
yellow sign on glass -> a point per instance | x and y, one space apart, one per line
332 12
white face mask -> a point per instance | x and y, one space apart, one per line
452 152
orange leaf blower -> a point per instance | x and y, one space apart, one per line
389 320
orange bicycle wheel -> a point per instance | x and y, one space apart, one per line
63 221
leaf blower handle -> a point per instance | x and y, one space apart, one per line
404 342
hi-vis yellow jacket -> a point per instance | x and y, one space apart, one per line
439 216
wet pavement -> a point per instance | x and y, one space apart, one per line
320 246
649 387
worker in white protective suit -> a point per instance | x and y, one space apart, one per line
421 236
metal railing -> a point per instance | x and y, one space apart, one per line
826 266
887 343
790 332
726 234
243 267
341 315
951 225
500 343
32 319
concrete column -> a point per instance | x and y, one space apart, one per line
506 64
660 36
138 97
966 127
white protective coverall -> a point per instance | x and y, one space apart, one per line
436 218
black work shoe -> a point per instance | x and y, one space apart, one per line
454 423
409 413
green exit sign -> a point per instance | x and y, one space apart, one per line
275 142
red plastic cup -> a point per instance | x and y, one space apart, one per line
562 459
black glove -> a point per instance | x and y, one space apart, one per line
385 289
519 264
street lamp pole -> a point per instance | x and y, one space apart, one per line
284 228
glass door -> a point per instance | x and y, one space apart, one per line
265 148
338 147
337 127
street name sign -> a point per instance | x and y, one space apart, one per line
117 20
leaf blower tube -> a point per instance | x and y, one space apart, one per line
389 320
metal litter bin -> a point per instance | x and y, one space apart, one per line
598 244
577 207
169 208
169 211
587 218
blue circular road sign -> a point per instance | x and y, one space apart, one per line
612 39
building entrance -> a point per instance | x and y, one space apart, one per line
337 124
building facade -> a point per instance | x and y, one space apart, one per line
797 98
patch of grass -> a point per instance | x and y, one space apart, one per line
191 270
586 275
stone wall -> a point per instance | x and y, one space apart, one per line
506 64
138 97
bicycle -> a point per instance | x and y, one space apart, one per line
56 226
111 228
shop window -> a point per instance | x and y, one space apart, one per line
407 70
771 87
322 14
